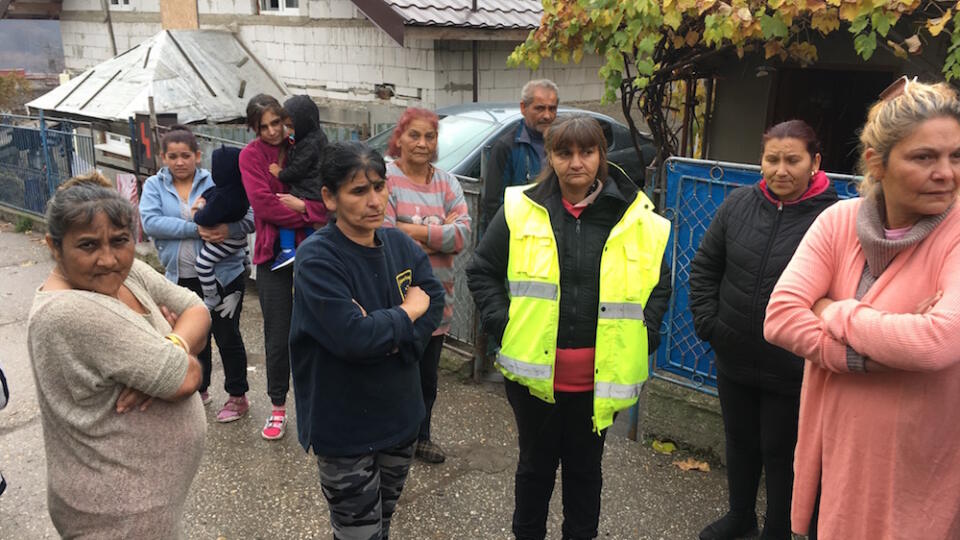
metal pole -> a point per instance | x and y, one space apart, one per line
476 71
154 135
705 136
46 156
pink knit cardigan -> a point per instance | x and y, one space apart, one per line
884 448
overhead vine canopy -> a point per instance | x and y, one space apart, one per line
645 45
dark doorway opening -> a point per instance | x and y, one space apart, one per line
834 102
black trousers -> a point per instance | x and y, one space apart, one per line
226 330
275 290
551 434
429 364
761 432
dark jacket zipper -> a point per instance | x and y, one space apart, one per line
763 266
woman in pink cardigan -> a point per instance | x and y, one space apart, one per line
871 300
273 207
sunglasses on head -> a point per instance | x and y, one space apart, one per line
897 89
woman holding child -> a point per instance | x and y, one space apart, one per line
274 208
169 200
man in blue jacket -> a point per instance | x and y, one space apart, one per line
516 157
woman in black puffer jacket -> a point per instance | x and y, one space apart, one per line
747 246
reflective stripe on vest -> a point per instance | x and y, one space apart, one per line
524 369
534 289
621 310
616 391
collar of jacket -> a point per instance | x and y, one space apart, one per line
617 185
819 184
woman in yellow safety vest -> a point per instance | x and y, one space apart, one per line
568 278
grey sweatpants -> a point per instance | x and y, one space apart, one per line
362 491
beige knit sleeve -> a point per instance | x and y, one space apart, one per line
96 342
177 299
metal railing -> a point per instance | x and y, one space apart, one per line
37 155
694 190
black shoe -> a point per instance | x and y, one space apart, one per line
730 527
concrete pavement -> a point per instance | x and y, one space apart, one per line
249 488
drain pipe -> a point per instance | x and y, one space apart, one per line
476 61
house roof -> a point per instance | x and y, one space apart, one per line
490 14
198 74
392 16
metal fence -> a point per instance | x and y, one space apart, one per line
463 326
694 191
37 155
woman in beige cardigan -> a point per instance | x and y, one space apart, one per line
111 344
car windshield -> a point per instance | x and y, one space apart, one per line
459 135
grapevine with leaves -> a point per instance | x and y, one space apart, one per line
646 46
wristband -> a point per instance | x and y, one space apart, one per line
178 341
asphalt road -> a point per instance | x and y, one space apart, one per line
249 488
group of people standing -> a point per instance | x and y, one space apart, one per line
835 325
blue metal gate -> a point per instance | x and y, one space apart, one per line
37 155
694 190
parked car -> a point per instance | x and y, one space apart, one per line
465 130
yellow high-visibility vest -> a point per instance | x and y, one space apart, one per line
629 270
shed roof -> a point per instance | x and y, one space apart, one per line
198 74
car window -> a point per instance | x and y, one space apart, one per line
459 136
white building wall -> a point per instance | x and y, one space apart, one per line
335 53
498 82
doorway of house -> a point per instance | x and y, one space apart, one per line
834 102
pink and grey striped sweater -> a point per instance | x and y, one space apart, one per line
430 204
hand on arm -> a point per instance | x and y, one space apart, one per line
275 170
415 304
293 203
215 234
263 200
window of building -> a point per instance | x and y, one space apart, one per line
277 7
120 4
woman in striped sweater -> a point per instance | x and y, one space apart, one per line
427 204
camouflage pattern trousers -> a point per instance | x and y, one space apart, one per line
362 491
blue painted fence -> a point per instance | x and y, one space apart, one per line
694 190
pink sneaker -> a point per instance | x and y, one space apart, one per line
234 409
206 398
276 425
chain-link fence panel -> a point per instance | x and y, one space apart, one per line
694 191
463 327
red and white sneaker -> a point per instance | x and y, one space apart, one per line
276 425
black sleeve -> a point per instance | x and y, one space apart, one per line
301 162
657 306
222 205
487 275
706 273
493 184
424 278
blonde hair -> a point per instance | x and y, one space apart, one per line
893 119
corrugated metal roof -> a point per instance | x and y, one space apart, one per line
198 74
490 14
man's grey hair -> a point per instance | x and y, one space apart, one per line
526 95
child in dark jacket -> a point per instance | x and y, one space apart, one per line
302 171
226 202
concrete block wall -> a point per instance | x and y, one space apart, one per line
498 82
85 44
328 59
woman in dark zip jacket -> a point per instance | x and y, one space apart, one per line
747 246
